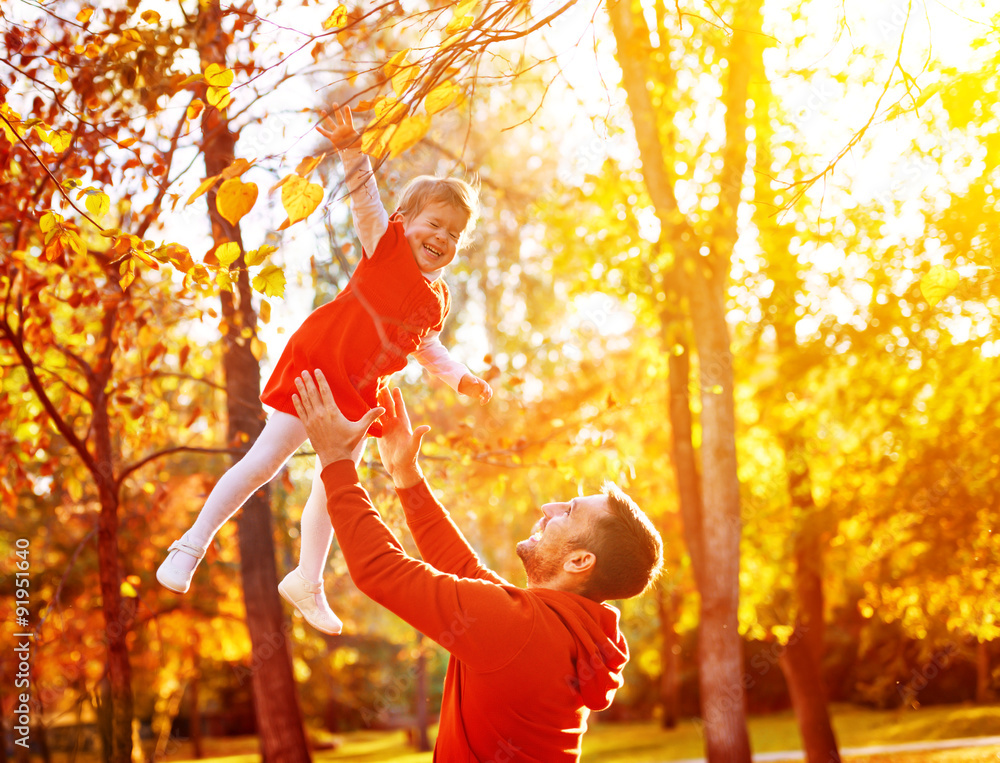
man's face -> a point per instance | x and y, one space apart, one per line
556 534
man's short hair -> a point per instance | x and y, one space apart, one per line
428 189
628 549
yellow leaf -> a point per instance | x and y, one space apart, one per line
300 197
235 198
389 110
265 311
257 256
270 282
257 348
337 19
59 140
60 74
396 62
128 590
236 169
404 77
227 253
462 17
938 283
440 97
98 204
49 221
127 272
150 17
219 97
410 130
203 188
219 76
308 164
375 142
84 16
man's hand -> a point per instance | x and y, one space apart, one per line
399 445
340 130
333 437
473 386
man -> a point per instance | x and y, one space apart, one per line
527 666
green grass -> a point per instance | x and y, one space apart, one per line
648 743
854 727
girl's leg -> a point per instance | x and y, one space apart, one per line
303 586
316 531
282 436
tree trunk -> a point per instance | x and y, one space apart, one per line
685 463
720 648
805 685
983 672
276 703
196 736
669 603
117 616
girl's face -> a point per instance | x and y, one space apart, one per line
433 234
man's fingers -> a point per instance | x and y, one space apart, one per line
299 410
385 399
418 434
326 394
397 398
369 418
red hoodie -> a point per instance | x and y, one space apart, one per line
527 666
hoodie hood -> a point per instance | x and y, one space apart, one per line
601 649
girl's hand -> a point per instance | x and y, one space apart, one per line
473 386
340 130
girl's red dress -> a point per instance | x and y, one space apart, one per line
366 333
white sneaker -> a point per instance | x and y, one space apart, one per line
309 599
173 575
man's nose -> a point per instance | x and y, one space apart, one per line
551 509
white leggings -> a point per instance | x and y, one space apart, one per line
282 436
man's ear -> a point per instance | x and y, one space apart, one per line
579 561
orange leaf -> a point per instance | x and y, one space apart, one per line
300 197
308 164
203 188
235 198
237 168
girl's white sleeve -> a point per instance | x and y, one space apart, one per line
371 221
434 356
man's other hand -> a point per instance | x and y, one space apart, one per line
399 445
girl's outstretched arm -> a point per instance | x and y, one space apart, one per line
370 218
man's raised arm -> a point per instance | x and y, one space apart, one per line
441 543
461 614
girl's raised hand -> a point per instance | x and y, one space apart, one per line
340 129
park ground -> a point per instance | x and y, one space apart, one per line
647 743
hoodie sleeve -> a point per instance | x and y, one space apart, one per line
440 542
481 623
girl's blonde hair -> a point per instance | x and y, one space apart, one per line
428 189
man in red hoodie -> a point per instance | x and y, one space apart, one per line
527 666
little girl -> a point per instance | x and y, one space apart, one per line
393 306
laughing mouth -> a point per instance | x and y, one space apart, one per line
433 252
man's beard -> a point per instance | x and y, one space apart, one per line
540 567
